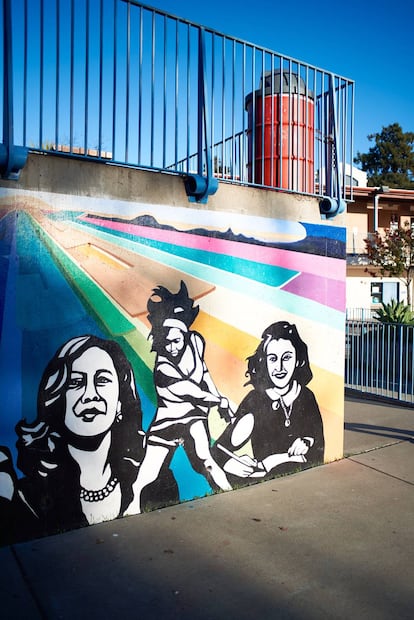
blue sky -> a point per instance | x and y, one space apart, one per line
366 41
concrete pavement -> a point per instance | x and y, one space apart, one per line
334 542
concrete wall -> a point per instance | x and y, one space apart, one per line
155 350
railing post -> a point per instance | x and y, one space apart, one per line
12 157
199 186
332 203
400 362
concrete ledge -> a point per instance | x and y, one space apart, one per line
67 175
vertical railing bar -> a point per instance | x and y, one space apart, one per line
57 74
8 111
253 136
400 361
25 58
296 154
141 26
114 107
41 69
87 28
272 117
176 93
341 108
223 107
243 134
72 73
188 95
307 145
127 80
233 129
101 44
214 157
325 137
164 114
263 160
352 136
315 128
152 86
280 126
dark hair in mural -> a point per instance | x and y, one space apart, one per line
43 444
279 416
51 486
165 309
185 393
256 366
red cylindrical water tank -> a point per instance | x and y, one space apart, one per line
281 133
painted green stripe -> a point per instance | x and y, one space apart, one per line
113 320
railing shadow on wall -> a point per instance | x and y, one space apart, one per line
124 83
379 359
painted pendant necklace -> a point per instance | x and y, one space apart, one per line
286 410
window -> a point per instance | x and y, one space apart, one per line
384 292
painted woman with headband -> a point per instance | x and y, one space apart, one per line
185 393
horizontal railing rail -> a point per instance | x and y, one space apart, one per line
379 359
121 82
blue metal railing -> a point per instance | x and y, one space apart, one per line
128 84
379 359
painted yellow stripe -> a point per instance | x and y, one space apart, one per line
92 251
229 338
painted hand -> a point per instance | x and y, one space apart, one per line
300 446
244 466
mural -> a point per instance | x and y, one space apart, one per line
172 356
280 416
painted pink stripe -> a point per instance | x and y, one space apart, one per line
332 267
323 290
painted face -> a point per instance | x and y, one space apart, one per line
281 362
92 396
174 342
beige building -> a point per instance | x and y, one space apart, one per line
373 208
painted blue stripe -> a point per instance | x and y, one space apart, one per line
282 300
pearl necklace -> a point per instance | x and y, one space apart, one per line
97 496
286 410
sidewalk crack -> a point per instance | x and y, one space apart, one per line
29 586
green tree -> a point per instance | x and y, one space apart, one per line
391 161
393 253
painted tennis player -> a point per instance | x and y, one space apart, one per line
185 393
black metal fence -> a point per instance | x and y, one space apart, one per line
379 359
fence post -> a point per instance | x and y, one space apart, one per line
198 186
400 362
12 157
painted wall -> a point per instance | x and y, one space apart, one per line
152 350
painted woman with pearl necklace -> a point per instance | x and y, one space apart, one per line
81 454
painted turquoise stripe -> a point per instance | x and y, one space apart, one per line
267 274
282 300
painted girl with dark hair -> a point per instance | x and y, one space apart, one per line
185 393
280 415
81 454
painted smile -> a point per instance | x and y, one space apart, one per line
88 415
